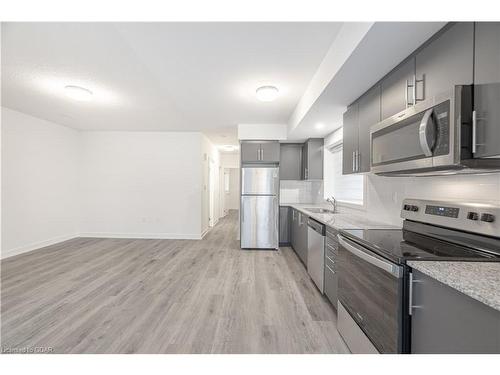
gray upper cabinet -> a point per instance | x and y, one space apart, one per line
396 90
291 161
447 321
270 151
350 141
250 151
260 151
447 60
369 115
312 159
302 161
487 89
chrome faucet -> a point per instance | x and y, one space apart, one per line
333 202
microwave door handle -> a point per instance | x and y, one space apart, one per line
386 266
422 132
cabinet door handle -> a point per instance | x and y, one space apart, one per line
474 129
407 99
261 153
359 160
416 81
354 161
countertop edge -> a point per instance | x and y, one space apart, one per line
479 289
361 222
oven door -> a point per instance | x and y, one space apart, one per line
418 139
371 290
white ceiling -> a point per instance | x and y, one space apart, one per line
161 76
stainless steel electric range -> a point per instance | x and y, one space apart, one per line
375 281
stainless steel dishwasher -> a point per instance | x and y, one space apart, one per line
316 252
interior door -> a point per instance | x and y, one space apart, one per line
259 222
487 89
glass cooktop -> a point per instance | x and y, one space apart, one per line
400 245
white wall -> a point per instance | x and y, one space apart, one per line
262 131
141 184
230 160
39 182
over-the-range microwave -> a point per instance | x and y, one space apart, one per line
434 137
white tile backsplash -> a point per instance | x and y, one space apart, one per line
384 195
301 191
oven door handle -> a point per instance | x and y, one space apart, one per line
422 133
389 267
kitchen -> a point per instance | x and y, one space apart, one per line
404 127
338 207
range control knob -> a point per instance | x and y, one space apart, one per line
414 208
489 218
473 216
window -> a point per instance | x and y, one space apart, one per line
345 188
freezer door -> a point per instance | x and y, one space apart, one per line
259 181
259 222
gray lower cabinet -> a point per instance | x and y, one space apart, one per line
396 93
299 235
291 161
446 321
487 89
350 139
285 225
294 230
302 237
260 151
312 159
447 60
331 278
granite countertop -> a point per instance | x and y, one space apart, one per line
341 220
479 280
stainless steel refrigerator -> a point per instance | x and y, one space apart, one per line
259 207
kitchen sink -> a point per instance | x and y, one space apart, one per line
317 210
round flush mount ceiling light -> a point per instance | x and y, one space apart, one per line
319 125
78 93
267 93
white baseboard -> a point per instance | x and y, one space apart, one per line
156 236
36 245
204 233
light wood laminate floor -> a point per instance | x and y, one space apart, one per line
91 295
